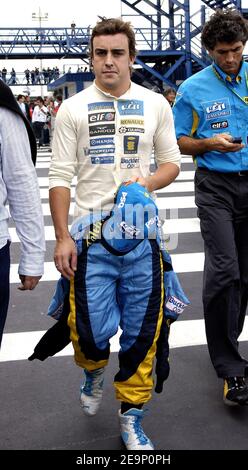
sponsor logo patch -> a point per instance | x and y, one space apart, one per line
175 305
122 199
127 107
102 160
100 106
102 129
102 151
216 109
131 230
94 233
124 130
125 122
153 220
132 162
219 125
131 144
96 117
103 141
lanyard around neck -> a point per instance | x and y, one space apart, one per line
231 88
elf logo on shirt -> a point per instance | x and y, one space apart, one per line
219 125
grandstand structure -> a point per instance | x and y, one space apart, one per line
167 36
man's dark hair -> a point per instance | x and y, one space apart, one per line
168 91
111 26
224 26
39 98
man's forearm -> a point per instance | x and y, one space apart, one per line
163 176
59 199
190 146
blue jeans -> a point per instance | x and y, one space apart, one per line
4 285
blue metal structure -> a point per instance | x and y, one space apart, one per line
177 52
168 43
43 43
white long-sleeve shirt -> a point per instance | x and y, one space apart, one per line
106 140
39 114
19 188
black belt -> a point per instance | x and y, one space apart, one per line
243 173
231 173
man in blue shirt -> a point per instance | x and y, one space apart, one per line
211 116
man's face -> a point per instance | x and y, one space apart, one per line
171 98
111 63
228 56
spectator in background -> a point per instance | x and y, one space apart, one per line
39 118
21 101
170 95
12 80
4 74
53 107
27 106
27 75
73 28
57 103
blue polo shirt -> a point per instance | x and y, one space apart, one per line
211 102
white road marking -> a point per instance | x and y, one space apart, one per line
185 333
170 226
182 263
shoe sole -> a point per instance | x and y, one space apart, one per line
234 403
229 402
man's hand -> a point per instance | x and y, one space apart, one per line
65 257
223 143
137 179
28 282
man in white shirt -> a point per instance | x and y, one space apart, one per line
107 134
20 190
39 118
